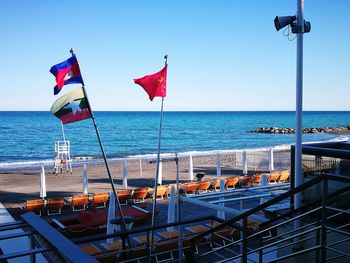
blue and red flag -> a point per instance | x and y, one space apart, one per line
67 72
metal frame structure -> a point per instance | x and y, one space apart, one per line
317 232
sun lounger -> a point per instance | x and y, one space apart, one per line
204 186
134 253
143 239
167 193
35 206
247 180
190 188
79 202
54 206
115 245
99 200
124 196
274 176
225 235
90 249
284 176
138 195
257 179
106 256
164 250
170 234
197 229
161 189
231 182
215 184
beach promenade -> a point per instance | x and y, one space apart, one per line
18 186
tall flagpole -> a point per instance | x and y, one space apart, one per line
158 160
104 155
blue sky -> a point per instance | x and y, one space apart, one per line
223 54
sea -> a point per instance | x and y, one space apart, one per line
28 137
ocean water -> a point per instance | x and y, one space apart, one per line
30 136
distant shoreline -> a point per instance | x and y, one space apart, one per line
330 130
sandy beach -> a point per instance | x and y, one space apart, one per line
18 186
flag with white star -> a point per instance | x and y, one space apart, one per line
71 107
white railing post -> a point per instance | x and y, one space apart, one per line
271 163
221 214
171 209
218 165
125 174
190 168
245 162
141 175
160 173
42 183
318 163
337 166
85 180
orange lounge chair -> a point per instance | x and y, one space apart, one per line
161 190
79 202
231 182
247 180
54 206
167 193
273 177
215 184
124 195
35 206
284 176
138 195
90 249
190 188
257 179
99 200
134 254
204 186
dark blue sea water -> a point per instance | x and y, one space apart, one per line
30 136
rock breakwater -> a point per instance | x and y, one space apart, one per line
276 130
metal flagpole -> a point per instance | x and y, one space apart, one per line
158 160
104 157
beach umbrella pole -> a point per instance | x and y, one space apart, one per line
105 159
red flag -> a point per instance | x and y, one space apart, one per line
155 84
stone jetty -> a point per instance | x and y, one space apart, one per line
276 130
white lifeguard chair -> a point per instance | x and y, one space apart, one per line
62 157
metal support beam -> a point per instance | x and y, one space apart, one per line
66 248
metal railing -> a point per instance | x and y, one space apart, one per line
277 239
324 233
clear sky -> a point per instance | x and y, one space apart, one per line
223 54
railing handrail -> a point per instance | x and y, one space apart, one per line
303 207
136 231
273 201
